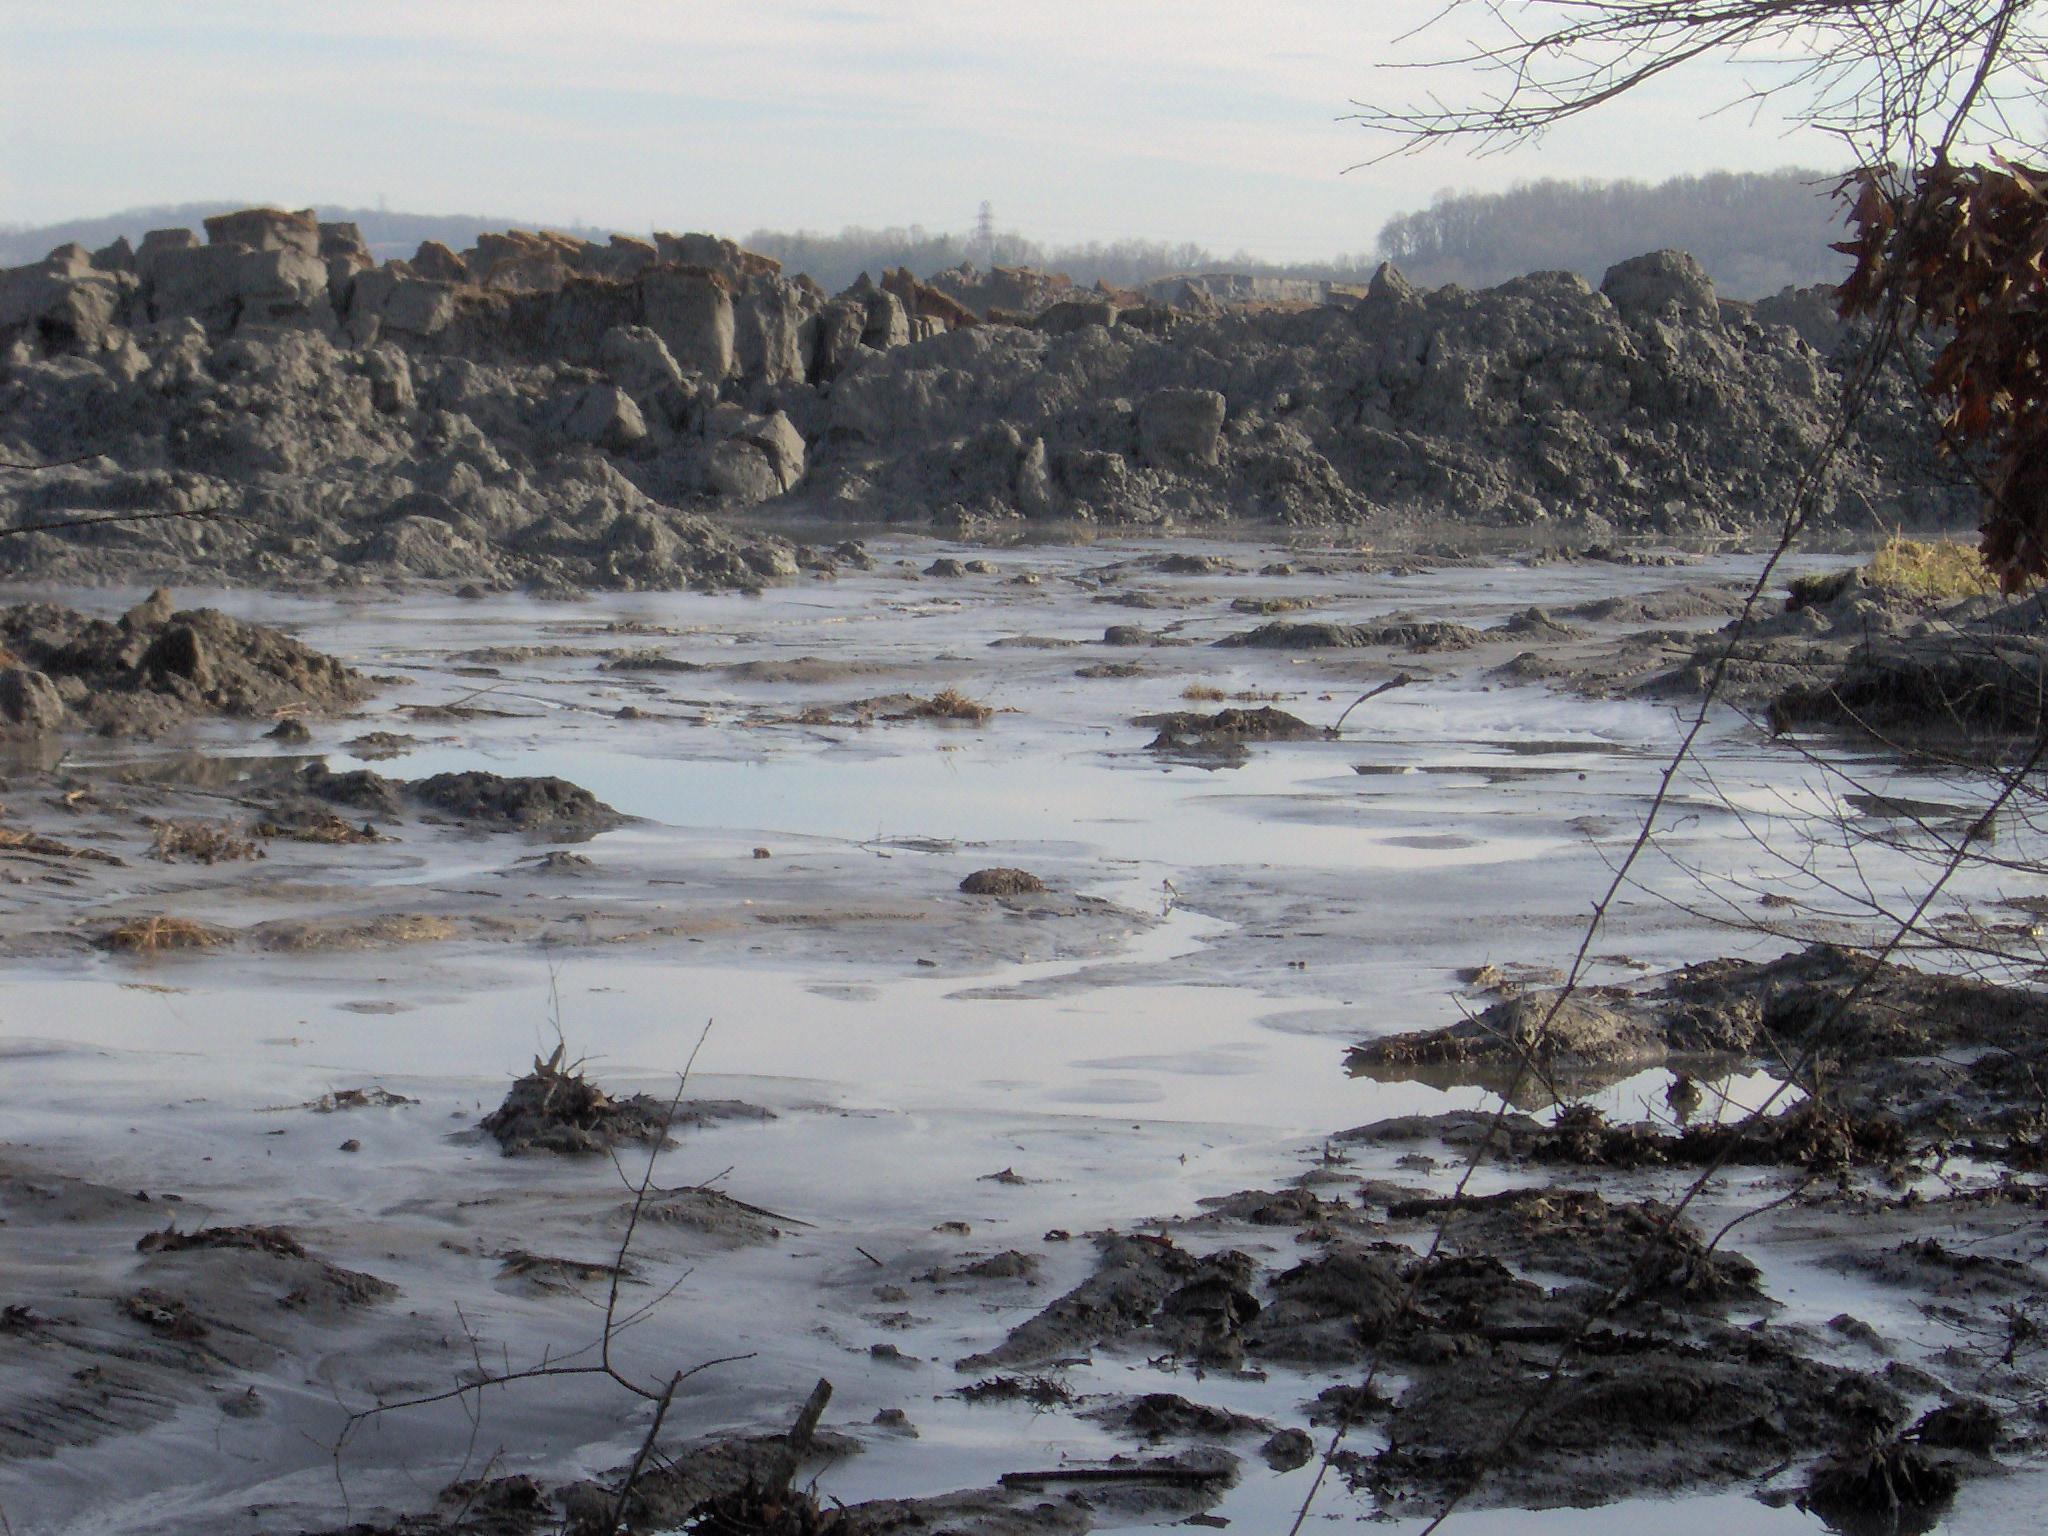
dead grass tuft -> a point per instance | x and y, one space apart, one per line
1934 569
313 935
1203 693
950 704
378 1097
200 842
156 935
15 840
326 827
1269 606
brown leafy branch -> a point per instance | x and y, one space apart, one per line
1967 247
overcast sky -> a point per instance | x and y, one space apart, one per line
1216 121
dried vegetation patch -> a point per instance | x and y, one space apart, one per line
199 842
948 704
18 840
1933 569
159 935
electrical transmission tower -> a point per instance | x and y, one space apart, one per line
985 233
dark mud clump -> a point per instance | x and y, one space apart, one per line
1158 1416
1188 730
1591 1032
1946 683
1647 1418
650 661
558 863
373 745
947 705
1010 1264
555 1108
1142 1284
1661 1392
1197 565
1538 624
341 1099
1879 1483
1811 1135
750 1484
1399 632
316 1285
154 668
481 801
199 842
1039 1391
360 789
163 934
1002 882
1906 1055
311 824
536 805
1582 1235
1964 1425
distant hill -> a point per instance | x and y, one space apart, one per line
833 260
1755 233
388 234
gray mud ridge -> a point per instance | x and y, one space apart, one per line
153 668
547 413
1397 632
1843 652
198 1312
1968 671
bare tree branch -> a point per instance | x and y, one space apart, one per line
1896 80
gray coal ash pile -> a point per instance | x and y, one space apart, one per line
548 413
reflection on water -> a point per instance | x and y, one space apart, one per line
1696 1095
1460 822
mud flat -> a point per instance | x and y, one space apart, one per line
1078 1106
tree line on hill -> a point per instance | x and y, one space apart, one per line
1754 232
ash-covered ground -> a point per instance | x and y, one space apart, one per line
1097 1038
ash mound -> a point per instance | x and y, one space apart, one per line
546 412
154 667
